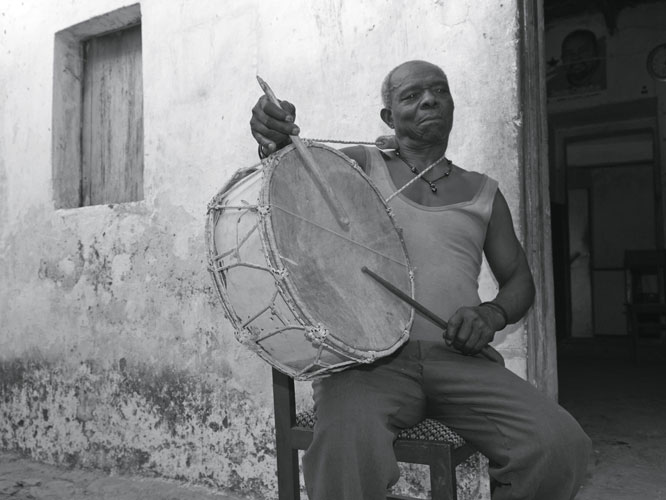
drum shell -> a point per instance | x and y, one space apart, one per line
274 300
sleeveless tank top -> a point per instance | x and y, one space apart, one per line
444 244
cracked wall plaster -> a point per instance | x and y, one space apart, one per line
114 349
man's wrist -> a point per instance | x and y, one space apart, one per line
499 312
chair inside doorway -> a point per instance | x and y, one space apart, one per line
645 274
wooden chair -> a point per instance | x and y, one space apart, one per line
430 443
645 274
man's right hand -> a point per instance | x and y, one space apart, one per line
272 125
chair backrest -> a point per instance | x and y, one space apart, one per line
645 273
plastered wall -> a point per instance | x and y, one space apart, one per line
114 351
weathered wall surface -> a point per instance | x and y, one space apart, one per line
114 351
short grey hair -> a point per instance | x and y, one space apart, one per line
387 89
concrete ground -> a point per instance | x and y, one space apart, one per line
24 479
621 405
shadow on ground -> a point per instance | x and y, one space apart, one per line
621 404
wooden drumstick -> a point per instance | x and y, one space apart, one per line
329 196
487 352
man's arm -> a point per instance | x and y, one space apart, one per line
508 263
471 328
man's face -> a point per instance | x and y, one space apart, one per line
421 105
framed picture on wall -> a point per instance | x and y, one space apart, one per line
579 67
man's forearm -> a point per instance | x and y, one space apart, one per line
516 296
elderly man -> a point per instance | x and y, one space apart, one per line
450 218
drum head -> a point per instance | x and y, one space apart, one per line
324 260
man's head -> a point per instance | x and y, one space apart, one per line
418 104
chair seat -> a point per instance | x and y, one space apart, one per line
429 443
426 430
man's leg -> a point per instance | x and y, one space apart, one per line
359 411
536 449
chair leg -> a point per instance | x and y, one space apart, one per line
287 456
443 476
289 487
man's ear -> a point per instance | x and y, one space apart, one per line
387 116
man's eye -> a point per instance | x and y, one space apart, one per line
441 90
410 96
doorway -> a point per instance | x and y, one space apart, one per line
606 122
605 192
588 80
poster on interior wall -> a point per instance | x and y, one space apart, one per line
577 66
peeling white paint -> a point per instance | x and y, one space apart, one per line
92 297
120 266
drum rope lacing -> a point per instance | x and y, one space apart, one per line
386 140
263 210
425 171
286 321
339 141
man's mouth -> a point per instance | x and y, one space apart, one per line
431 119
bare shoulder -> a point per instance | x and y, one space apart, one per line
468 175
356 153
468 181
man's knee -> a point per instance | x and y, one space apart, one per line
578 450
559 452
567 440
352 440
350 422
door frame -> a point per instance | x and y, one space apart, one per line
541 361
534 159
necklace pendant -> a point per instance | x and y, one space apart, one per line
433 188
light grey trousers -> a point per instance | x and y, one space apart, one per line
535 448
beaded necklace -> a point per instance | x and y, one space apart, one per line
420 175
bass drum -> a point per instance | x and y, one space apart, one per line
289 275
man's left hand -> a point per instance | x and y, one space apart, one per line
472 328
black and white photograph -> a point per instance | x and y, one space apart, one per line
332 250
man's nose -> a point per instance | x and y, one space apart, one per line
428 98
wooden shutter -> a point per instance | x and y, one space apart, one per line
112 119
